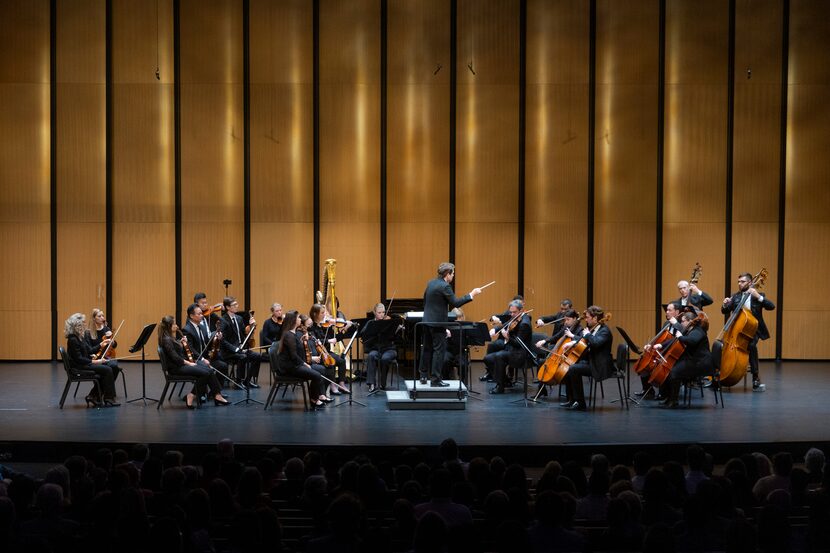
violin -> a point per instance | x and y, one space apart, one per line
107 348
337 323
514 322
213 349
186 346
251 341
325 356
304 339
212 309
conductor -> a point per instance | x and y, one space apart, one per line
439 298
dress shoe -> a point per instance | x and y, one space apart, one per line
669 404
221 403
326 399
252 385
659 397
318 406
111 402
566 404
496 390
188 400
92 401
423 380
485 378
438 383
641 393
758 387
576 406
372 388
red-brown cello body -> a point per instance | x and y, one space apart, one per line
736 336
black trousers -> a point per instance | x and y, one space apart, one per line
753 357
574 389
496 364
247 363
106 371
382 358
456 360
432 354
207 378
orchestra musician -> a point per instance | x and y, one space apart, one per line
438 299
564 306
272 327
233 349
182 361
314 358
570 321
380 350
292 359
696 359
596 361
211 313
326 336
497 342
673 311
98 336
756 302
80 358
515 353
200 340
690 294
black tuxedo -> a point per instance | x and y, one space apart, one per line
698 300
439 298
596 362
233 333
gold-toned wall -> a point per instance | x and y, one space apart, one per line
625 208
806 252
143 179
694 167
212 148
282 228
350 149
418 142
81 158
418 171
556 154
24 178
487 163
757 139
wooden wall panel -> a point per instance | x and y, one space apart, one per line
282 230
694 185
81 158
212 148
418 143
487 171
756 160
350 149
806 252
626 164
143 188
556 158
24 177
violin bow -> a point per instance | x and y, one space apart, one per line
112 340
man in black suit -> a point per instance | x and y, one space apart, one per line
439 298
690 294
233 348
596 361
747 296
514 354
199 337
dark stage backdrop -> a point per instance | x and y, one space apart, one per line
591 149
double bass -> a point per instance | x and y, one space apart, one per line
736 335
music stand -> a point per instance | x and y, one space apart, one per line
140 342
631 347
381 332
475 334
346 352
247 399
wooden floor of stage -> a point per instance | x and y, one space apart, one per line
794 408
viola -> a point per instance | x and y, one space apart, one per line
304 339
325 356
213 349
186 346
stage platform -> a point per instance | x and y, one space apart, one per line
793 410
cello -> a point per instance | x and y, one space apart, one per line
552 370
671 354
736 335
562 363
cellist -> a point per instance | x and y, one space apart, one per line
673 311
570 321
756 302
597 362
696 359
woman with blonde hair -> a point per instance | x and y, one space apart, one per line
80 357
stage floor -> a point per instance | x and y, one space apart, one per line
794 408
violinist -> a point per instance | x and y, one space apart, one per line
272 327
99 337
211 313
201 341
380 350
597 362
438 299
673 311
556 319
690 294
517 329
292 359
756 302
696 359
325 335
182 361
497 342
314 358
233 348
80 358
